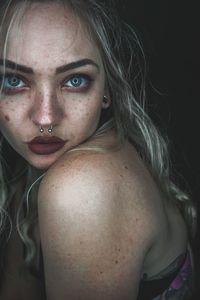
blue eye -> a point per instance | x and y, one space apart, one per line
78 82
11 81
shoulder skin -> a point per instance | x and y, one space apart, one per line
96 226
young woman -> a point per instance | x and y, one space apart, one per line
88 210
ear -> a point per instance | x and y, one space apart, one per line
106 102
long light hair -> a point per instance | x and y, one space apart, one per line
125 68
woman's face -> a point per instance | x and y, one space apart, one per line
59 80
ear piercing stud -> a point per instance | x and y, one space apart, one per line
105 99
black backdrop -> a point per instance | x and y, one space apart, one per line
170 31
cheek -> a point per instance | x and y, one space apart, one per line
5 115
86 114
83 120
12 112
6 118
9 130
6 109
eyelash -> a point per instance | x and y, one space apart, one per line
83 83
9 90
83 86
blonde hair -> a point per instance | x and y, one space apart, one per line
125 69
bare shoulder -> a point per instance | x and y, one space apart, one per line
116 178
103 222
95 225
110 183
89 169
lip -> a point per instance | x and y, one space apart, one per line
45 145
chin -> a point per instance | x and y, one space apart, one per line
42 163
41 166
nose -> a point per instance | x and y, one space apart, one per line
46 109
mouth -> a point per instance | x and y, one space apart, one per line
46 145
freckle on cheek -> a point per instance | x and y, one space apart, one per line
7 118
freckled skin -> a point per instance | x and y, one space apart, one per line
44 101
7 118
92 228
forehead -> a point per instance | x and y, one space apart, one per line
50 35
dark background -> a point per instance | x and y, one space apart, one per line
170 32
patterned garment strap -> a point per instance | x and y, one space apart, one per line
182 285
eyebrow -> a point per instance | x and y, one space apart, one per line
76 64
73 65
12 65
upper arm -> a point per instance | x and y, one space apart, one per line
89 250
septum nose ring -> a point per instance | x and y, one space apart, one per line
50 129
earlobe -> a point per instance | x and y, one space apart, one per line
106 102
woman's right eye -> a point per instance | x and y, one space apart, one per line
11 83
